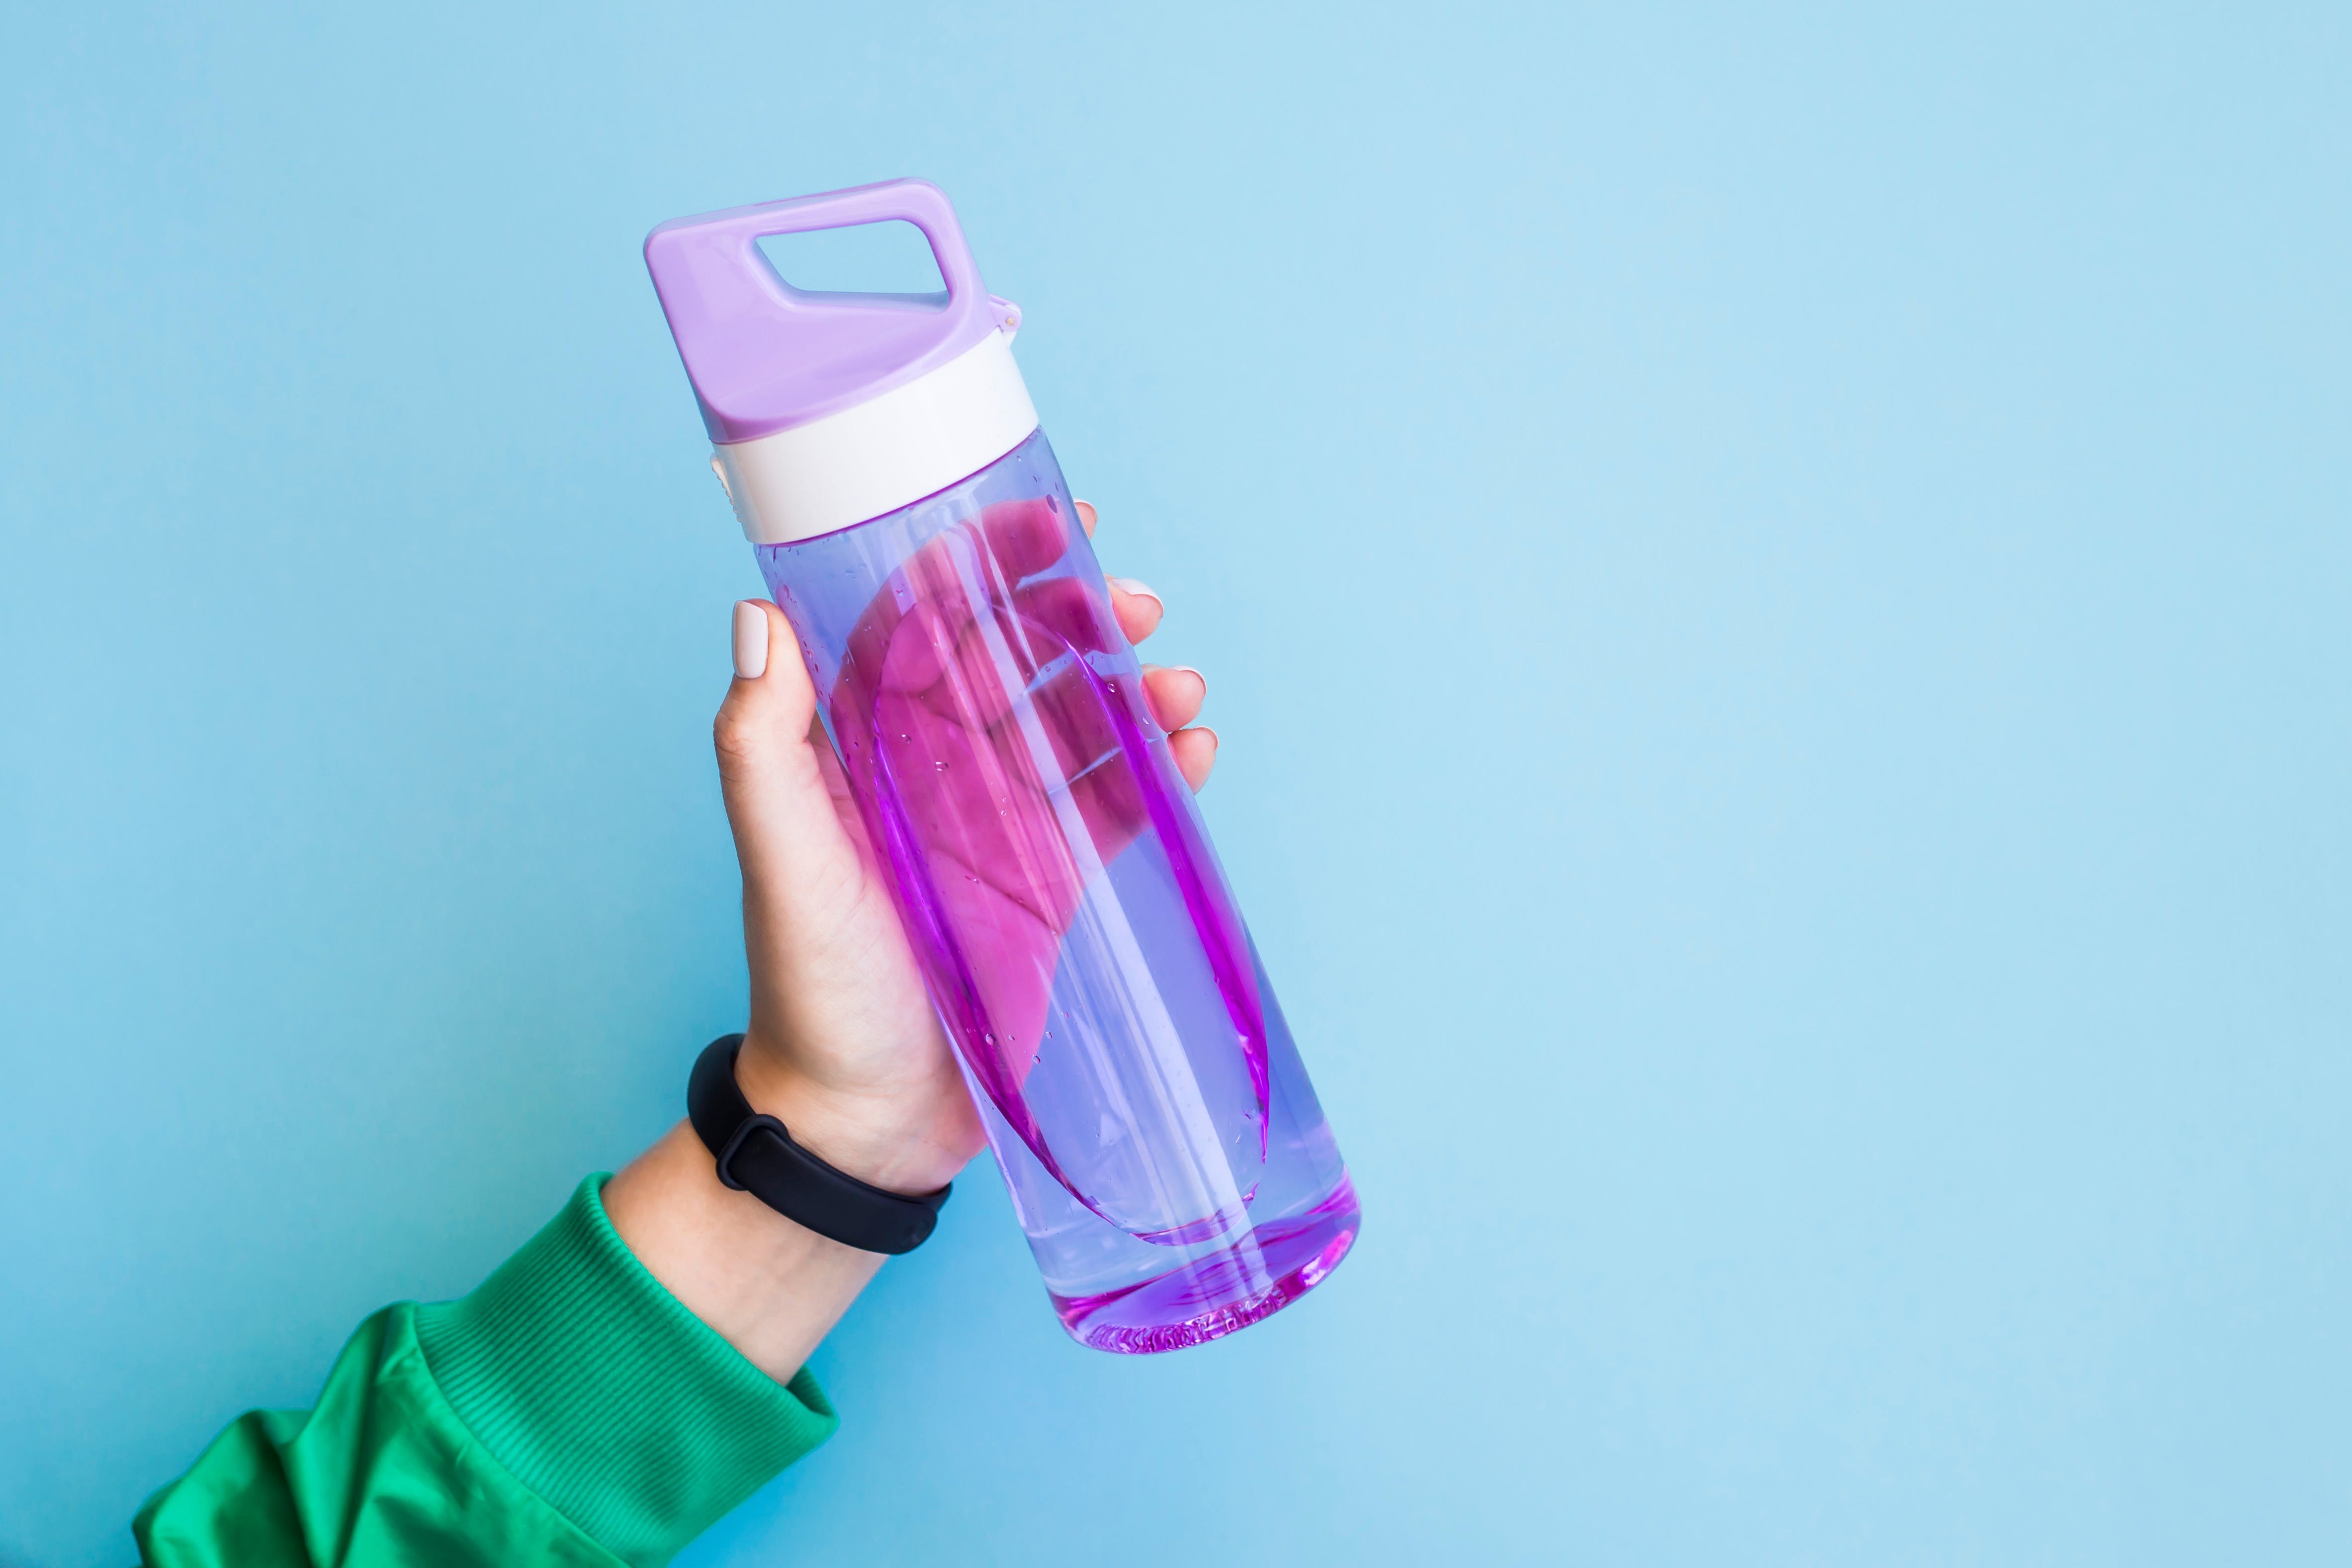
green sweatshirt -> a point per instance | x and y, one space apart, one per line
569 1412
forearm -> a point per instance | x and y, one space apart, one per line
769 1287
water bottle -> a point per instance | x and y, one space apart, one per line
1164 1150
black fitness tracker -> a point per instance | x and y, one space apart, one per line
757 1156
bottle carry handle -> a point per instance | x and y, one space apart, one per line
918 202
765 356
731 280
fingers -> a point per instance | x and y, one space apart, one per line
1195 751
771 682
777 800
751 641
1138 609
929 580
959 580
1136 606
1176 694
1065 607
1025 537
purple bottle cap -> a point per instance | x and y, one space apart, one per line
828 409
765 356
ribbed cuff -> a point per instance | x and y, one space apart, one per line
589 1382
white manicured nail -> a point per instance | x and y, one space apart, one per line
751 641
1129 585
1194 674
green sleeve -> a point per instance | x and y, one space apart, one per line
568 1412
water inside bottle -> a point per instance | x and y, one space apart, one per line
1089 966
1161 1142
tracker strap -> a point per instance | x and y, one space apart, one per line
757 1156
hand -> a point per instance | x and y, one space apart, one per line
844 1047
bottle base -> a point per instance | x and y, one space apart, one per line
1211 1297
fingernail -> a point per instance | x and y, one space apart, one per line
751 641
1129 585
1194 674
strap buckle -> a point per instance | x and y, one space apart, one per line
751 1123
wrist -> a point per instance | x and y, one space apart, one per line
885 1140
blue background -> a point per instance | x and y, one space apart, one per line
1775 586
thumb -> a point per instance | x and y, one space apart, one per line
777 802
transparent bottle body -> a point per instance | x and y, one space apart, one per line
1164 1149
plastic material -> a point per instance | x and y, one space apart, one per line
1164 1146
765 356
919 437
756 1154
